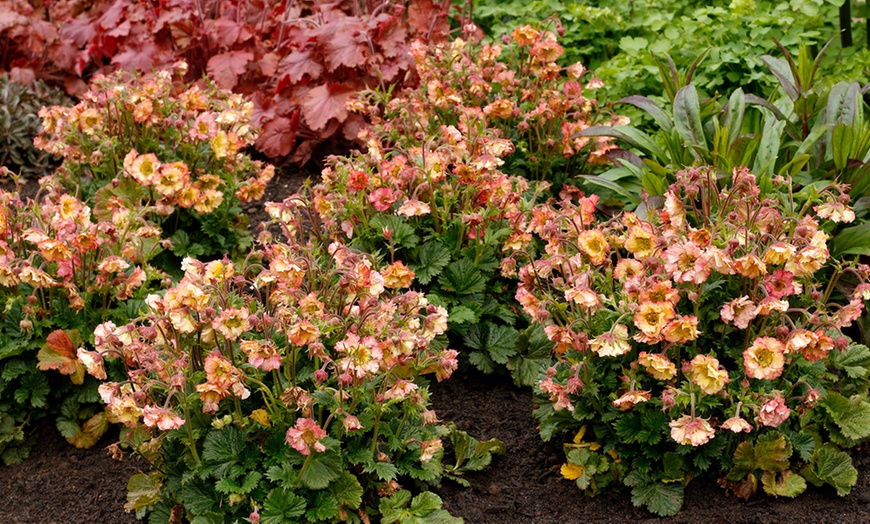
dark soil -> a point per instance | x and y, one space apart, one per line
61 484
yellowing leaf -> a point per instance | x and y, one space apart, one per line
261 417
578 438
572 471
59 353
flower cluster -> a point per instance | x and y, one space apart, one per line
304 344
178 147
713 316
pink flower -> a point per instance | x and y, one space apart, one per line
306 434
687 263
774 412
383 198
764 359
363 356
262 354
164 419
691 431
780 284
740 311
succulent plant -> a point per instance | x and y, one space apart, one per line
20 122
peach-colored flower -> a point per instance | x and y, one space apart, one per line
525 35
413 208
764 359
630 398
835 211
612 343
651 317
397 275
686 263
640 242
691 431
779 253
707 374
659 366
807 261
362 356
594 244
681 330
172 178
93 361
749 266
737 425
232 322
627 268
303 333
144 168
262 354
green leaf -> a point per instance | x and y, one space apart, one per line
782 72
687 117
855 361
227 486
853 240
143 490
461 277
633 136
322 469
425 508
282 506
472 454
461 315
662 499
785 484
495 340
385 471
403 233
533 356
834 467
347 490
432 257
734 116
652 109
222 451
851 415
198 497
323 507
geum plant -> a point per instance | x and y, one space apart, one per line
432 193
63 270
287 388
701 341
175 150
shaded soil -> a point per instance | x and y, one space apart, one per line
60 484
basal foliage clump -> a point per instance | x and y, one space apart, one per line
439 189
176 151
706 339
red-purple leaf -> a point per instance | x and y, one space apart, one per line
325 102
137 59
224 32
392 36
278 137
79 30
225 68
298 64
112 15
344 43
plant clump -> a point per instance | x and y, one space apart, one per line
707 339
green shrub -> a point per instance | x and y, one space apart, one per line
20 124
